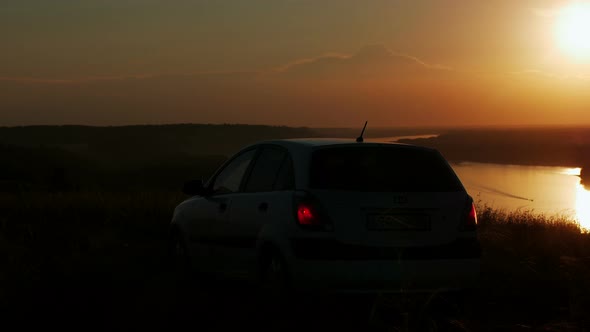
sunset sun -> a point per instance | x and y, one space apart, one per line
573 30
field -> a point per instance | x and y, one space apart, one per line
83 247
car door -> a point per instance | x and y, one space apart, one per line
207 230
266 197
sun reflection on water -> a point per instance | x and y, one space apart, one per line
583 206
572 171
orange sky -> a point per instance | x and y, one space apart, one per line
288 62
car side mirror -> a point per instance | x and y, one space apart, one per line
194 187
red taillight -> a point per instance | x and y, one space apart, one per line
306 215
309 213
470 222
473 215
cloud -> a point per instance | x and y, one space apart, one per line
34 80
147 98
551 8
545 12
534 73
372 84
142 77
371 61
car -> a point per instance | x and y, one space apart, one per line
331 214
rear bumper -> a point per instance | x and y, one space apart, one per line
388 276
330 249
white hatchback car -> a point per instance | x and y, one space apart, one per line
332 214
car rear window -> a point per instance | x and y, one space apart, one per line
380 169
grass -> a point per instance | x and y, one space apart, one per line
99 256
536 265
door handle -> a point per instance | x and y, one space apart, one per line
222 207
263 207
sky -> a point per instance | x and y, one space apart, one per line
328 63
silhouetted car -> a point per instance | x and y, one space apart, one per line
332 214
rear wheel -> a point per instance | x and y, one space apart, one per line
274 276
178 254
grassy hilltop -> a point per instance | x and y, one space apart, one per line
84 213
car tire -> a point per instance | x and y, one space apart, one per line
274 276
178 254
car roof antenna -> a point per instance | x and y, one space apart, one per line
360 139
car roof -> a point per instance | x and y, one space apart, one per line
312 143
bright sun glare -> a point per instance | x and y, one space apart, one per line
573 30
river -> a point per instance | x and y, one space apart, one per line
547 190
542 189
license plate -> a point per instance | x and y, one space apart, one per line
398 222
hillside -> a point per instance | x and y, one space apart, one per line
569 147
164 156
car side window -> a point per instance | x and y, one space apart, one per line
286 177
230 178
265 170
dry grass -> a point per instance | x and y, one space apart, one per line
536 267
